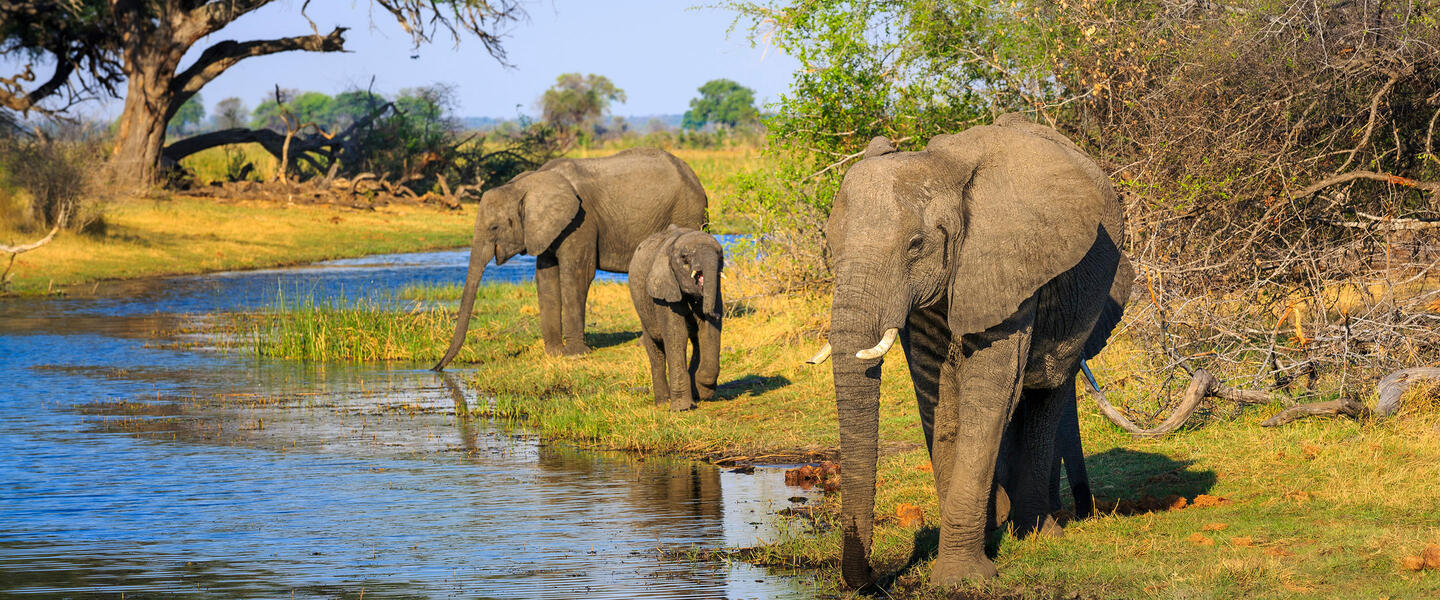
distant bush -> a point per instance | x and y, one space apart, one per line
43 181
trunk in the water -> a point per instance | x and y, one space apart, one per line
480 255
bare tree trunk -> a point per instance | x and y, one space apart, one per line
136 158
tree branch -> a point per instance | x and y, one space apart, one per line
1430 186
213 16
223 55
12 96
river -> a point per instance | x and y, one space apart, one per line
137 463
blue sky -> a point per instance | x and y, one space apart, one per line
658 51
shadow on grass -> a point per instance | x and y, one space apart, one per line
1128 482
1143 482
607 339
749 385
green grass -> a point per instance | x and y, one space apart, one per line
1321 508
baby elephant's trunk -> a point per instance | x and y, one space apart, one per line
711 287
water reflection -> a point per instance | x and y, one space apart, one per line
135 468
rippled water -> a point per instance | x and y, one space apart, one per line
133 467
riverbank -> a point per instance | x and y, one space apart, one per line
181 235
1320 508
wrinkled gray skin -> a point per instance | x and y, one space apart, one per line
575 216
996 253
675 284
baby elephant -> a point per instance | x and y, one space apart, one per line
675 283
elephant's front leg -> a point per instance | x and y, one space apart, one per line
705 359
577 271
986 391
676 337
547 288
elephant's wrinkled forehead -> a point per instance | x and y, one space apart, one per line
892 185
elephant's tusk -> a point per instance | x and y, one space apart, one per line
1089 377
881 348
821 356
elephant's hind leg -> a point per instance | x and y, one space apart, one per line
656 353
1033 431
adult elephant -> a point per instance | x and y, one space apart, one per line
575 216
994 256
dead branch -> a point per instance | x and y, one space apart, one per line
1202 385
15 251
1390 389
1346 406
1388 223
23 248
1392 386
1430 186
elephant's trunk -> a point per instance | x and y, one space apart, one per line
866 306
710 290
480 254
857 399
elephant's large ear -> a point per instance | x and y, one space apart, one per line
661 284
549 207
1030 210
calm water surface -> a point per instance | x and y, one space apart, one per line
133 466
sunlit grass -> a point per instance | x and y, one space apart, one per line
1320 508
172 236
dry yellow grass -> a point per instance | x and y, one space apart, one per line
184 235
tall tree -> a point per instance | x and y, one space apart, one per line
230 112
147 39
722 102
577 100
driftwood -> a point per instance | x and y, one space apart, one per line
15 251
1203 384
1349 407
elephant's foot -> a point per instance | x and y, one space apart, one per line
951 570
1002 508
1051 528
682 405
1046 526
574 350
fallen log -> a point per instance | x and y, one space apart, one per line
1202 385
1345 406
1389 390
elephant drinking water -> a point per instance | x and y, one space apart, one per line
575 216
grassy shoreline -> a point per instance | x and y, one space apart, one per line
182 236
1321 508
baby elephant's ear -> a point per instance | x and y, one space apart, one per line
879 145
661 284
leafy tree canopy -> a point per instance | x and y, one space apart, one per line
577 100
722 102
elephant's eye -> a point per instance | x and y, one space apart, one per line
917 242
